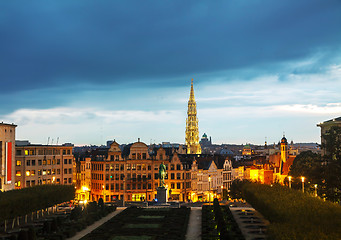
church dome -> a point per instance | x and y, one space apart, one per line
284 140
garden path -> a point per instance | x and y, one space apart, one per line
92 227
194 224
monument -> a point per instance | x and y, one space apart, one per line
162 190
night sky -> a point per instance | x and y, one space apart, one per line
90 71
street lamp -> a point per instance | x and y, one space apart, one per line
315 190
209 189
289 181
302 178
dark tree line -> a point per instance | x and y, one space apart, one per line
325 171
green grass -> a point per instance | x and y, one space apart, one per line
142 225
150 217
132 238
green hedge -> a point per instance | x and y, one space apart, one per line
27 200
293 214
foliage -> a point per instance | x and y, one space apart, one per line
27 200
307 164
332 164
293 214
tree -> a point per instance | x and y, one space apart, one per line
308 165
332 164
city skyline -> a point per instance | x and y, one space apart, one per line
87 73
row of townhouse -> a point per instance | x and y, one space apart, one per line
130 172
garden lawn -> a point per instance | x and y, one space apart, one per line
141 223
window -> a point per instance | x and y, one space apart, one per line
70 170
139 156
39 172
156 175
133 167
65 179
172 185
68 152
178 186
149 167
44 162
18 173
33 172
138 166
172 176
58 161
18 163
18 152
117 157
28 183
133 156
172 167
48 161
58 171
122 167
178 176
112 187
128 166
28 173
117 186
28 162
143 167
144 155
116 176
70 180
70 160
65 160
65 170
178 167
156 167
117 167
33 162
107 166
64 152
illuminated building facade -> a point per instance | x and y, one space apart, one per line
43 164
7 156
130 172
192 129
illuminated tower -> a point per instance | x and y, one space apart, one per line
192 130
284 152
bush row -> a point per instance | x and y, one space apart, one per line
293 214
27 200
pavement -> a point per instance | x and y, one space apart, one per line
96 224
194 224
251 223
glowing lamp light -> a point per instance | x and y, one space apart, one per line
85 188
302 178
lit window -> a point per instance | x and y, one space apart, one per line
27 173
18 173
18 163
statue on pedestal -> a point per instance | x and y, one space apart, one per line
162 174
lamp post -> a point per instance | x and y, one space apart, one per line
289 181
302 178
209 189
315 190
222 192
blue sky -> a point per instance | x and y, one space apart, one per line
89 71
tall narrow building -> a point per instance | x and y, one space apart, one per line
192 130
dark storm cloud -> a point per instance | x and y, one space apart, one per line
49 44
